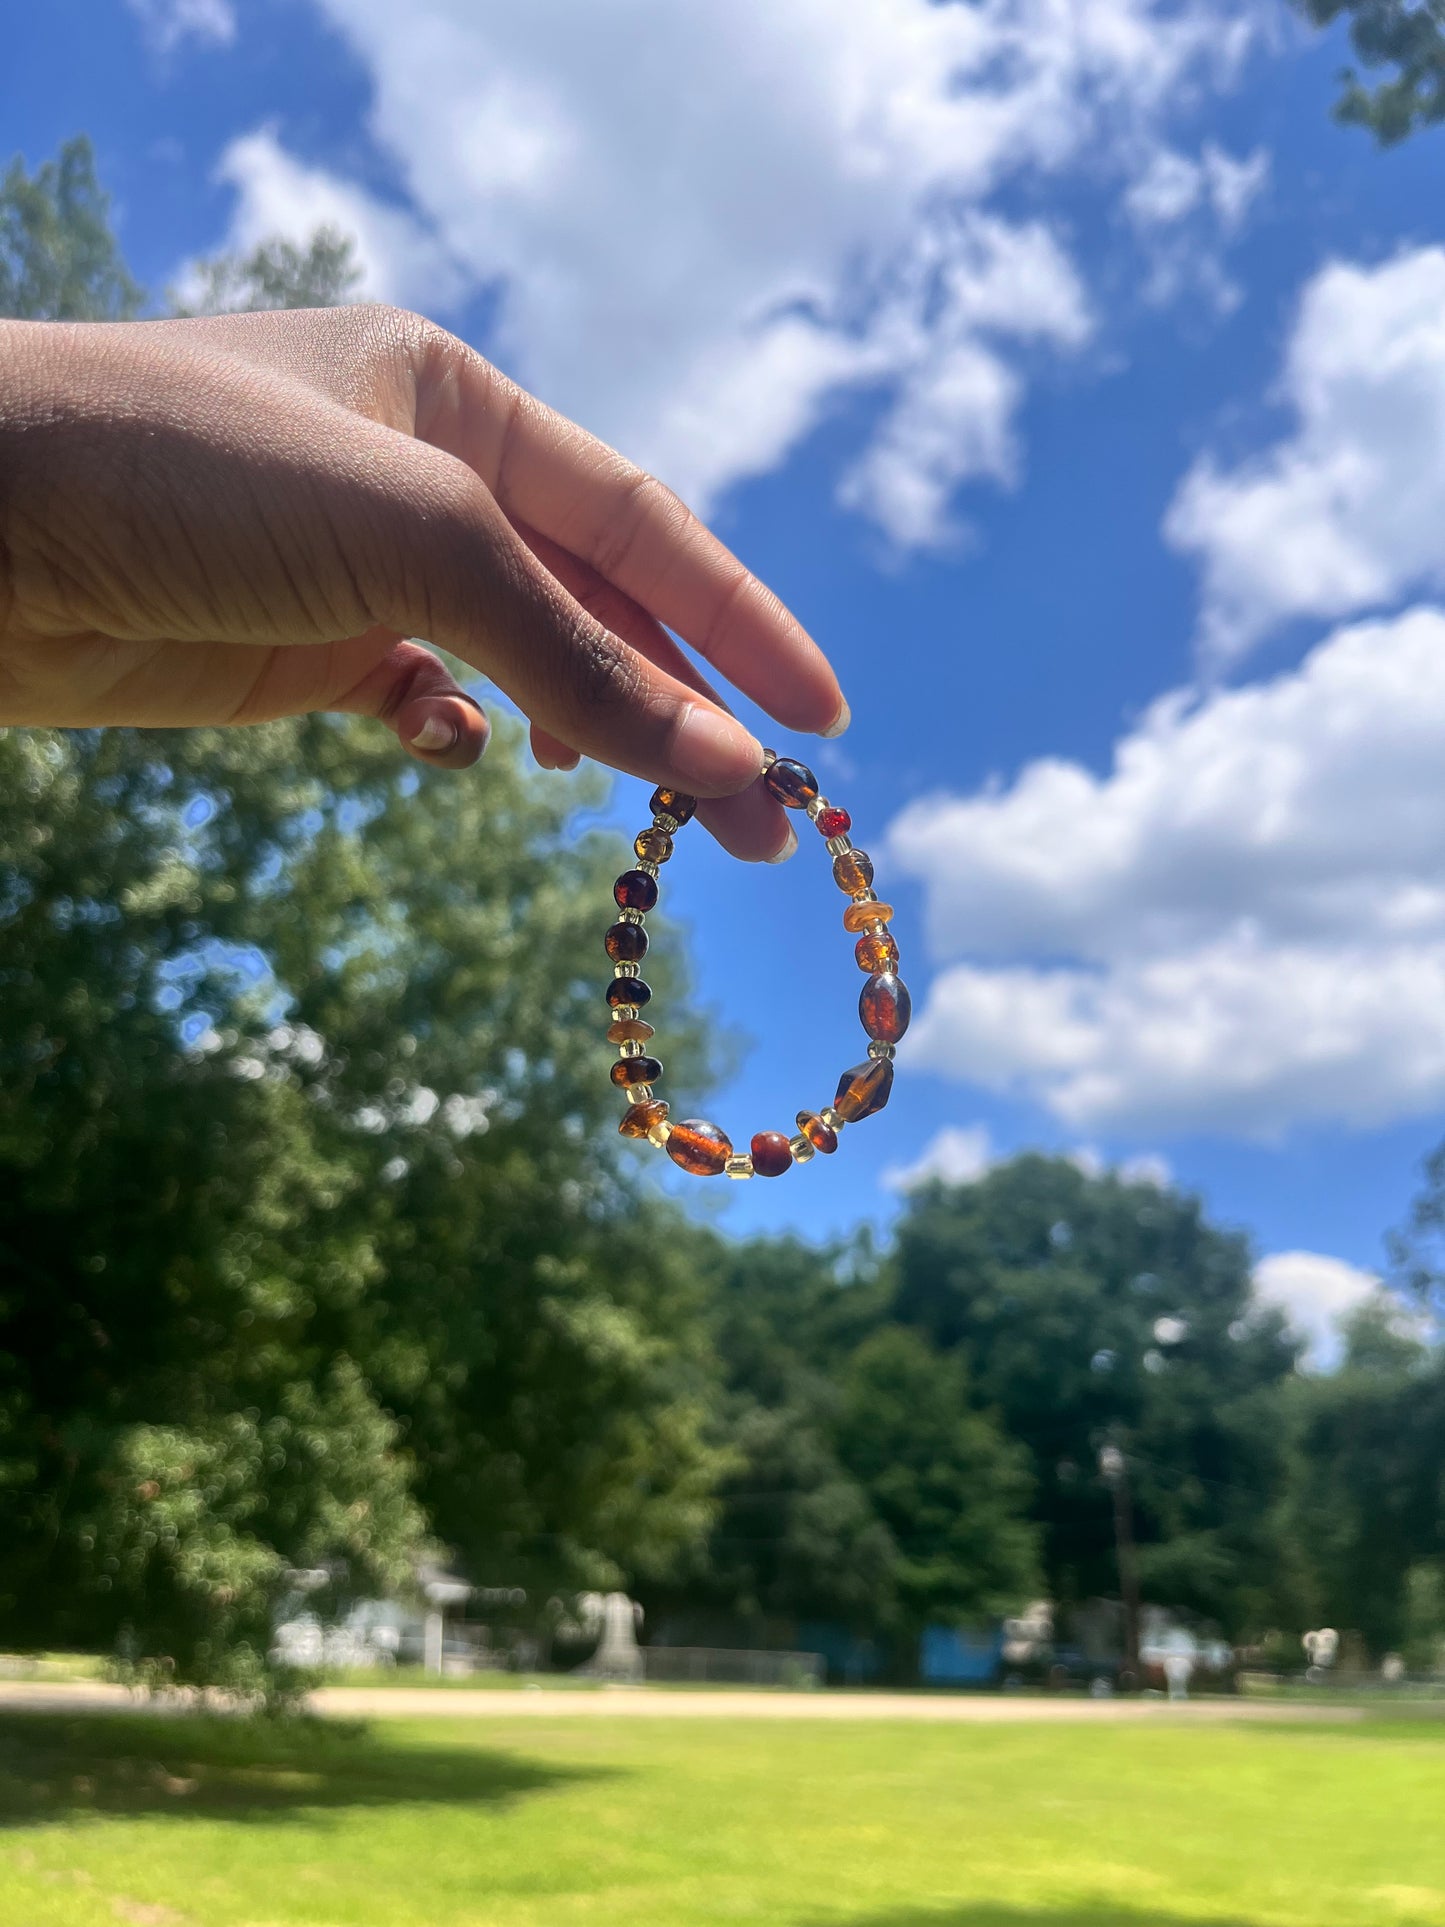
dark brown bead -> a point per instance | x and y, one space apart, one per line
640 1118
635 1070
626 943
833 821
875 953
853 871
635 890
674 803
864 1090
625 993
630 1030
821 1136
885 1007
793 784
653 846
772 1154
699 1147
858 916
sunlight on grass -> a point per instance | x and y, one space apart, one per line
509 1824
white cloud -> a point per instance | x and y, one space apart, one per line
1315 1293
168 22
1185 210
958 1154
703 224
1244 919
1344 512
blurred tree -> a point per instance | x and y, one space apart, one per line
276 274
1390 33
1092 1310
58 258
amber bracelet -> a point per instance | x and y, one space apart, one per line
883 1005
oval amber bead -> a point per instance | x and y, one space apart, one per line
626 943
864 1089
792 783
628 993
853 871
653 846
635 1070
639 1119
859 915
699 1147
674 803
630 1030
885 1007
821 1136
833 821
875 953
772 1154
635 890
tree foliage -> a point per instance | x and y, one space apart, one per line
275 274
1390 34
58 258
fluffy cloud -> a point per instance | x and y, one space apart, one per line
168 22
1343 514
702 225
958 1154
1245 917
1315 1293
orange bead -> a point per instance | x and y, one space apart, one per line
630 1030
635 1070
853 871
875 953
674 803
859 915
699 1147
885 1007
864 1089
653 846
821 1136
640 1119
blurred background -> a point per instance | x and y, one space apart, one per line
1077 375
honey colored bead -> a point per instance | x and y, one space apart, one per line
772 1154
875 953
858 916
626 943
739 1165
885 1007
793 784
640 1120
853 871
699 1147
659 1134
630 1030
635 890
864 1089
674 803
628 993
833 822
801 1149
653 846
819 1135
635 1070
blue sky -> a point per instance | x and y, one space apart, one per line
1080 385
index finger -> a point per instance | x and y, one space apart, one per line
547 472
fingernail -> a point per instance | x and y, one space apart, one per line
839 723
714 752
788 848
435 734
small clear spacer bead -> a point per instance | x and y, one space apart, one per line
620 1011
817 807
647 869
660 1133
877 1048
627 970
836 845
739 1165
865 896
631 1048
770 756
876 929
631 916
831 1118
801 1149
669 824
638 1093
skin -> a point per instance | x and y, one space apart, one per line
227 520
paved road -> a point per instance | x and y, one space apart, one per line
634 1703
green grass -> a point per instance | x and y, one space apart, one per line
662 1823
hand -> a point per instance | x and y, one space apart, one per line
233 519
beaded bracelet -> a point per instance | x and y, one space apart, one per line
883 1005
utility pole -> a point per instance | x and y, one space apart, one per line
1114 1468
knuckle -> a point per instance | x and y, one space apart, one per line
601 672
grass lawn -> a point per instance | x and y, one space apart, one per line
461 1823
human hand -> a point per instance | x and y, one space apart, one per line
237 518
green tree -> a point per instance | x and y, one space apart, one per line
58 258
1091 1310
276 274
1390 34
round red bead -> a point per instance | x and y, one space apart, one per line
772 1154
833 822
